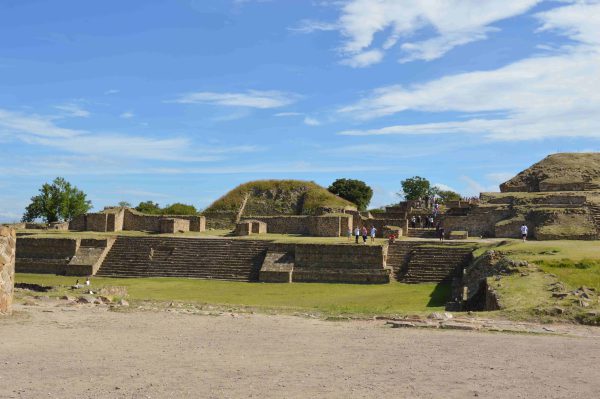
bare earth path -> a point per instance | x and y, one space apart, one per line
95 353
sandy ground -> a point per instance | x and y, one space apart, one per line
60 352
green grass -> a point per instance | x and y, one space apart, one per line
575 263
394 298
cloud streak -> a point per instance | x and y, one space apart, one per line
249 99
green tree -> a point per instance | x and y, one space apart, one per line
59 201
124 204
416 188
149 208
179 209
447 195
355 191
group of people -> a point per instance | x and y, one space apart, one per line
362 232
422 221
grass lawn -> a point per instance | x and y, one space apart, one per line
561 258
395 298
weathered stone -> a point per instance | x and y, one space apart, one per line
123 302
7 268
86 299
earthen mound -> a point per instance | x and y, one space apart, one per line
558 172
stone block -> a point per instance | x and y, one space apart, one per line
174 225
7 268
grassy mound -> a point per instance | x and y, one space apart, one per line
558 172
275 197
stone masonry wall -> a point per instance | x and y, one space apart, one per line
7 268
340 256
138 222
96 221
174 225
319 226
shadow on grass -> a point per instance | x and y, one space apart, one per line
439 296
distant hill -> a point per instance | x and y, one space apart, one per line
273 197
559 172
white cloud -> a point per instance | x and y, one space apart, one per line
364 58
250 99
311 121
280 114
73 110
555 95
127 115
111 91
444 187
454 22
40 130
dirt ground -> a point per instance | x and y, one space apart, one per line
61 352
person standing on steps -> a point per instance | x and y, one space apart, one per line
364 235
356 234
441 232
373 233
524 231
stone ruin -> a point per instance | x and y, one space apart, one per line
557 198
7 268
248 227
120 219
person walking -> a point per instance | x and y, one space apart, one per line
441 232
413 222
373 233
364 235
524 231
356 234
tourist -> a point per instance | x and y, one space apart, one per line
431 221
524 231
87 282
391 238
419 221
413 222
356 234
441 232
373 232
349 233
364 235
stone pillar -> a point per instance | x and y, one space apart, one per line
8 241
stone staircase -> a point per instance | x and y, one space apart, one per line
421 233
414 262
594 210
219 259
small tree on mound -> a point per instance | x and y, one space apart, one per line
149 208
447 195
355 191
416 188
59 201
179 209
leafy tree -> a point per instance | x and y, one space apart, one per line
179 209
355 191
59 201
447 195
416 188
124 204
149 208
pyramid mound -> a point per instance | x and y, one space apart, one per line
558 172
275 197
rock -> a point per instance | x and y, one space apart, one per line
401 324
98 301
584 304
123 302
448 315
436 316
68 298
86 299
459 326
560 295
556 310
105 299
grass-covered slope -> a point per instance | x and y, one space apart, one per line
558 172
275 197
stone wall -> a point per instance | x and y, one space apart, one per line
45 255
318 226
340 263
7 268
174 225
96 221
481 221
115 220
77 223
140 222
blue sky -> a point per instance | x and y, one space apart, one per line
181 101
